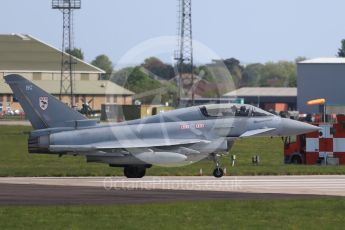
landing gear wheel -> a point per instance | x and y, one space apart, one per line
218 172
134 171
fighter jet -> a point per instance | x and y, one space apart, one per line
179 137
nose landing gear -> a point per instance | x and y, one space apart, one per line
218 172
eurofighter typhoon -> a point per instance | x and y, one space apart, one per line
179 137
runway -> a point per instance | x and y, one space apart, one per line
317 185
120 190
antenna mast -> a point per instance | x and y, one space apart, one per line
67 81
184 54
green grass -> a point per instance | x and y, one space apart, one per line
15 161
273 214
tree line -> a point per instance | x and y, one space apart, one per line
153 73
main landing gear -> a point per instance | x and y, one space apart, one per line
218 172
134 171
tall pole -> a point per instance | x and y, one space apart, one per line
191 52
67 79
184 56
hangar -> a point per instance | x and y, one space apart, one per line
321 78
41 63
269 98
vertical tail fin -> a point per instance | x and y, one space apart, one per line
42 109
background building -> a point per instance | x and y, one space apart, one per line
321 78
41 63
268 98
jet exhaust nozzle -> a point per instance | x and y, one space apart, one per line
38 144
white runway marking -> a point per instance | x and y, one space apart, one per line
318 185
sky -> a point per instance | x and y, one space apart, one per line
130 30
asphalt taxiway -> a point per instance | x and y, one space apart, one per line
41 195
120 190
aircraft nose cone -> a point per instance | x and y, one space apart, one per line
291 127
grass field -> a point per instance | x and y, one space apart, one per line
15 161
273 214
321 213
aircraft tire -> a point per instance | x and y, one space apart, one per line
218 172
134 171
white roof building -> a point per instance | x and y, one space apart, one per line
263 92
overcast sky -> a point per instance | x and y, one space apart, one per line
250 30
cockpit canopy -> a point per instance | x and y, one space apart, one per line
233 110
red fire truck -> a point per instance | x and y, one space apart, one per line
326 146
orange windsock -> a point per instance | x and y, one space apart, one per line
320 101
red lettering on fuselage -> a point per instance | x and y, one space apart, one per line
184 126
200 126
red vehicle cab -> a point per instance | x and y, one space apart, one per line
324 146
